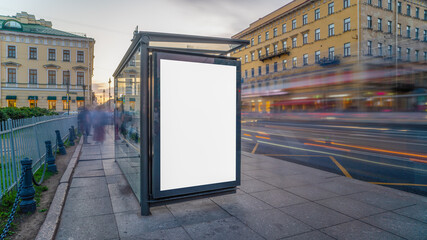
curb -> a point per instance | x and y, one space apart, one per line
51 222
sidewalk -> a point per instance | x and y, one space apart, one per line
277 200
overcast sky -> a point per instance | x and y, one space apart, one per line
111 23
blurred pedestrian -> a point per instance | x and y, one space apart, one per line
99 122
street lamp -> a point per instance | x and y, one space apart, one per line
103 95
109 94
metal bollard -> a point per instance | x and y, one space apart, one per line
74 132
27 205
61 146
50 159
71 137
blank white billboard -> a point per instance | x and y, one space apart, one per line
197 124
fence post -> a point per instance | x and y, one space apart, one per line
12 150
50 159
61 146
74 132
71 137
27 193
36 136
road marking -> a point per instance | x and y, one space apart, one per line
256 146
343 170
262 137
335 148
245 134
349 157
417 160
286 155
400 184
379 150
263 133
247 139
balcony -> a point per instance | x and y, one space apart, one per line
274 54
326 61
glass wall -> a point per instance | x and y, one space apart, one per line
127 120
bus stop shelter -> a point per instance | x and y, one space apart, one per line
177 116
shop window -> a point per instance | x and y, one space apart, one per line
32 103
51 104
65 105
11 102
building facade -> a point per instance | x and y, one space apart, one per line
329 55
40 65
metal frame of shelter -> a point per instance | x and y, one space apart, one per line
152 46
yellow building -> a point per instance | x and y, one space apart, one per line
39 62
321 55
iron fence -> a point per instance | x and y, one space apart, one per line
26 138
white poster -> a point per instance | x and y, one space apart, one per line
197 124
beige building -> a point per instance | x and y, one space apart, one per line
328 55
38 63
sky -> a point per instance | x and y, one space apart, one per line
111 23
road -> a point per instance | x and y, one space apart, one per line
389 155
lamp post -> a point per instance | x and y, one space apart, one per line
84 95
109 94
103 95
68 96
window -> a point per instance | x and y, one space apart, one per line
317 14
346 3
317 56
32 76
294 24
80 78
65 77
425 56
33 53
294 62
267 69
331 53
305 38
32 103
252 72
246 59
408 31
267 35
389 26
417 12
369 2
408 9
81 56
275 66
347 50
259 38
259 71
51 79
51 54
380 24
305 59
417 30
294 42
11 102
252 42
11 51
284 64
66 104
246 73
284 28
369 22
330 8
66 55
267 51
275 48
304 19
275 32
11 75
416 55
259 53
346 24
408 54
390 50
252 56
331 30
399 29
399 53
399 7
284 45
380 49
380 3
369 48
389 3
425 15
425 36
51 104
317 34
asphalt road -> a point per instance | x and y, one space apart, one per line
389 155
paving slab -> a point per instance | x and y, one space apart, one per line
273 224
383 200
125 203
311 192
94 227
417 211
171 234
399 225
227 228
82 172
357 230
89 191
254 185
83 182
313 235
236 204
197 211
350 207
278 198
76 208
